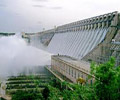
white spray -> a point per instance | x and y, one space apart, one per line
15 54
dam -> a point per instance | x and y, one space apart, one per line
75 45
72 46
93 39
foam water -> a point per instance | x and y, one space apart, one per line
15 55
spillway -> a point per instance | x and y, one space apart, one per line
76 44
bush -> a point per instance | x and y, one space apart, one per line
25 95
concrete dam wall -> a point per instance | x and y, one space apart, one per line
85 39
77 44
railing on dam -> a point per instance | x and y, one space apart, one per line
100 21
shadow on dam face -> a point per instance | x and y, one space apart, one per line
16 55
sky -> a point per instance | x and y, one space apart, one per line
36 15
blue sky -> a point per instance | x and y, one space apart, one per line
34 15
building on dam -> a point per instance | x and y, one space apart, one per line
71 68
93 39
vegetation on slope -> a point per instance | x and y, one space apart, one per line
106 87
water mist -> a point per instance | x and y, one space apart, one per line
16 55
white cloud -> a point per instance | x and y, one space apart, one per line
72 10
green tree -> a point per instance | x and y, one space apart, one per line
79 92
107 78
51 93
